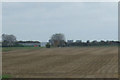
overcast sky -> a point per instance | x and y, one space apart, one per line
77 21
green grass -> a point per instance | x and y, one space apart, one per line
5 76
6 49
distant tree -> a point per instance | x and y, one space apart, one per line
47 45
88 41
8 40
58 40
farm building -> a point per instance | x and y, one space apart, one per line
43 44
78 41
35 44
69 41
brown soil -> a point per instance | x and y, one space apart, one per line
96 62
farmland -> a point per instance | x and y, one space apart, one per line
69 62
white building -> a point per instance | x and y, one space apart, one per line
43 44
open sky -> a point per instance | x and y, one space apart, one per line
76 20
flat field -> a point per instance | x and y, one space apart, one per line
72 62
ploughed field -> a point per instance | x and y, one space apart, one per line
85 62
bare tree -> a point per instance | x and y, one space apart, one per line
8 40
58 39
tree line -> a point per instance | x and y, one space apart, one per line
94 43
11 41
56 40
